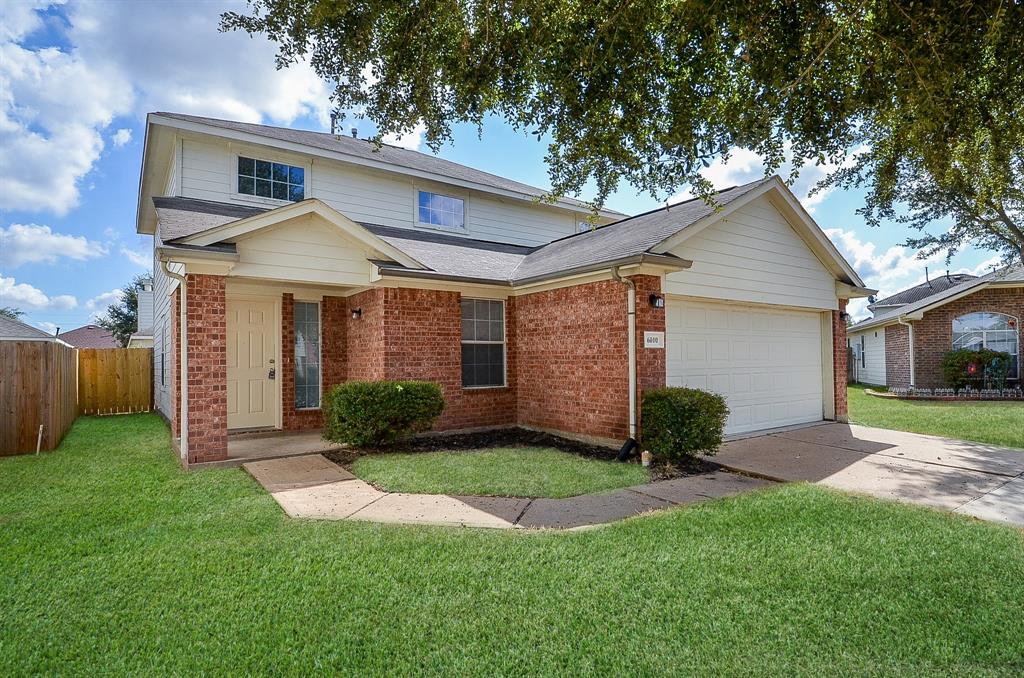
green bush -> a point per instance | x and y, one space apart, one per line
375 414
680 423
966 367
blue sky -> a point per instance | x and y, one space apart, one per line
77 79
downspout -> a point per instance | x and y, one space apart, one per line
183 354
910 346
627 447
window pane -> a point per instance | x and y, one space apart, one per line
262 169
296 175
246 185
424 199
296 193
280 191
246 166
280 172
263 188
307 354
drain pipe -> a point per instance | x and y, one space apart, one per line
630 444
183 354
910 346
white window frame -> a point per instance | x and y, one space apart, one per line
984 334
258 199
320 357
444 192
503 342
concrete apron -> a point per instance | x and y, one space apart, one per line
970 478
314 487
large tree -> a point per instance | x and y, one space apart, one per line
649 92
11 312
122 318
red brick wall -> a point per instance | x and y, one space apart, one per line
365 336
571 360
650 368
839 360
207 369
333 358
897 358
933 334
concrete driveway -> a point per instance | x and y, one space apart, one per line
956 475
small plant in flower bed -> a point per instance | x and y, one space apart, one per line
680 423
976 368
376 414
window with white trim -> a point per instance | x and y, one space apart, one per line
483 343
266 179
307 355
440 211
994 331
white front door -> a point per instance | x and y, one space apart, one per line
765 360
251 351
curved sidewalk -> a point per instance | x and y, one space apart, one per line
314 487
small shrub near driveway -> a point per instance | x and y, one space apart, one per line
680 423
966 367
376 414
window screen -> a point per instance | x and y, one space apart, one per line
483 343
307 355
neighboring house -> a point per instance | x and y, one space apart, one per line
15 330
143 336
90 336
290 261
903 344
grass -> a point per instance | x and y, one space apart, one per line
507 472
984 422
114 561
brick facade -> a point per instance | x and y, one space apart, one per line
207 368
933 335
839 356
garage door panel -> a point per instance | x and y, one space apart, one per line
765 361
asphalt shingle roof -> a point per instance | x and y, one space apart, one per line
925 289
89 336
15 329
182 217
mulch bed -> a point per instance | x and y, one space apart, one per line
520 437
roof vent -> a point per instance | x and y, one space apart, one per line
355 133
334 123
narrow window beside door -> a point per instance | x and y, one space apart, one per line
307 355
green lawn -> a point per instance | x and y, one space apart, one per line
114 561
508 472
984 422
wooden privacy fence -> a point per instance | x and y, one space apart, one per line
38 387
115 380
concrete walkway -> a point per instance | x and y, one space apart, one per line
972 478
314 487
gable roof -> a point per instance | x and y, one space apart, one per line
15 329
385 154
922 291
89 336
1010 275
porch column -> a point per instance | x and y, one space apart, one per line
207 368
839 360
650 362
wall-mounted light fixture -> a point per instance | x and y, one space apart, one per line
657 301
844 316
357 313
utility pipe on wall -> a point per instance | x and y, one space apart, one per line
631 342
183 355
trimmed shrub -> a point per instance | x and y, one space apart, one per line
680 423
376 414
981 368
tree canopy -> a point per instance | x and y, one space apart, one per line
122 318
929 94
11 312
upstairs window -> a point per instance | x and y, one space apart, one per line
483 343
441 211
266 179
994 331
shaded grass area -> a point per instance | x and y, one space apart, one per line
114 561
995 423
508 471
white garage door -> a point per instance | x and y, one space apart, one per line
765 361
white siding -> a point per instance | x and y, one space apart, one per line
162 341
753 255
869 352
208 172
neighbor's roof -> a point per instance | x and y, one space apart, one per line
89 336
383 153
15 329
1008 275
924 290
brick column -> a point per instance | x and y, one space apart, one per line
839 360
207 368
650 362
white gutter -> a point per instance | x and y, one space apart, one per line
183 357
910 346
631 316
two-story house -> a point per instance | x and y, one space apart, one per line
289 261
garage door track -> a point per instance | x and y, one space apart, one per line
971 478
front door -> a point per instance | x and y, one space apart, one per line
251 353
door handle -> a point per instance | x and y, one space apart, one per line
272 374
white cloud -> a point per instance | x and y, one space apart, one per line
125 59
32 243
27 297
121 137
411 140
101 301
140 259
45 326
